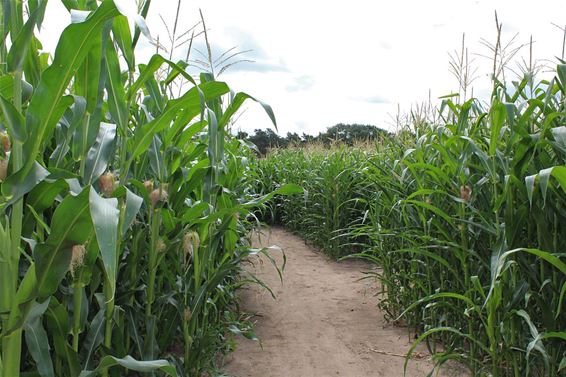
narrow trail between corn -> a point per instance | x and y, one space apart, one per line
324 321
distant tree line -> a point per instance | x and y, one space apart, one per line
343 133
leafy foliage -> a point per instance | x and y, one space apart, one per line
332 181
348 134
125 211
464 219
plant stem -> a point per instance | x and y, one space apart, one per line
152 267
77 300
11 345
109 292
108 321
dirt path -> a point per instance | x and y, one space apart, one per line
323 323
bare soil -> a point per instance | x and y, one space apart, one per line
324 322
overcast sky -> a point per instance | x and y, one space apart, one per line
322 63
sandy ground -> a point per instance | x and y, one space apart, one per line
324 322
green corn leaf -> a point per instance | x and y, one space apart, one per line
426 192
180 127
286 189
105 216
560 301
58 325
14 121
561 71
36 62
433 209
168 219
7 88
548 257
434 171
35 5
437 296
71 225
123 37
77 124
24 300
530 185
155 100
175 73
75 43
156 158
130 363
145 10
14 190
558 172
93 339
237 102
498 114
128 9
188 103
133 205
20 47
435 330
499 259
100 154
152 66
215 139
431 255
37 340
198 209
536 343
85 135
115 89
559 134
88 76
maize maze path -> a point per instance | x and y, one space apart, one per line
323 323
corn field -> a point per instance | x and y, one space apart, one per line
333 185
124 213
464 217
126 208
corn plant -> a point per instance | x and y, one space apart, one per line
464 217
332 182
124 210
464 202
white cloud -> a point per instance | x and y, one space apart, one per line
351 61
